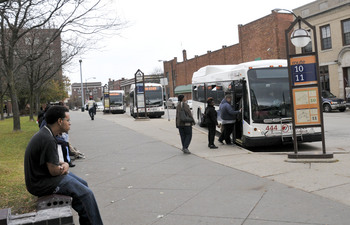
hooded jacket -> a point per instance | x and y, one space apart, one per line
227 114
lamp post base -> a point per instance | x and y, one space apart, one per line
311 158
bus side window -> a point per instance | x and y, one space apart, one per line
201 94
195 93
219 95
211 91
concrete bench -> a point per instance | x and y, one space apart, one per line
53 201
51 209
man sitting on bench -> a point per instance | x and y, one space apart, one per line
46 175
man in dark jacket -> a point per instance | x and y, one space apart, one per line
45 174
211 121
228 116
92 111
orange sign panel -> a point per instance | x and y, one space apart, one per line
306 106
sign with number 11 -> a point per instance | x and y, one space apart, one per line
303 70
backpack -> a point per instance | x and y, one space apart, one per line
204 119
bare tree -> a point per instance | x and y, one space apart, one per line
79 21
3 90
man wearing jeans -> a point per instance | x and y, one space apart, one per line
45 174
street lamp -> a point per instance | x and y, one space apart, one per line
299 37
81 86
303 74
86 86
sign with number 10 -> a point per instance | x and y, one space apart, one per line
303 70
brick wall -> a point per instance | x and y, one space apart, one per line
263 38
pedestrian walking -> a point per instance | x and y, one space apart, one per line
228 116
46 175
184 124
92 111
211 122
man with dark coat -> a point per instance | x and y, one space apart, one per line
211 121
228 116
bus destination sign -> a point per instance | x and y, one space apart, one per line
303 70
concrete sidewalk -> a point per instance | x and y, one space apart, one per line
140 176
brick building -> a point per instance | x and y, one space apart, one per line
92 90
263 38
332 24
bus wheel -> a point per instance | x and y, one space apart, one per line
327 108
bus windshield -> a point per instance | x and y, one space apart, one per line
116 99
154 96
270 97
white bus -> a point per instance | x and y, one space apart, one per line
154 100
117 102
261 90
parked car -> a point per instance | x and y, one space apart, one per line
331 102
189 103
172 102
100 107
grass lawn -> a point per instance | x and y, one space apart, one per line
13 193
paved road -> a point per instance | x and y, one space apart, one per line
140 176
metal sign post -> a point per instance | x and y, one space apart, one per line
106 99
164 82
305 89
140 88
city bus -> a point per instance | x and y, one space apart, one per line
117 102
261 90
154 100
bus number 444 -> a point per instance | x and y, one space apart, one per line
271 127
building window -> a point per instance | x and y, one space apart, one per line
324 78
346 31
326 41
308 47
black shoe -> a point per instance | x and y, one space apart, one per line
186 151
71 164
213 147
221 142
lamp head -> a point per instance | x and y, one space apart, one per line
300 38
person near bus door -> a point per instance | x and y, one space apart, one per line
185 128
228 116
212 122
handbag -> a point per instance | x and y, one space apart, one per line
184 117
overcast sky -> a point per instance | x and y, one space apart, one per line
161 29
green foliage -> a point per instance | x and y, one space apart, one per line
13 193
54 91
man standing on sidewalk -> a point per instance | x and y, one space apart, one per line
46 175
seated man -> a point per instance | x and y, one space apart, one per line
45 174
